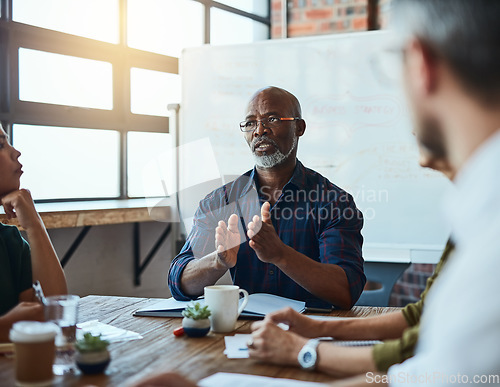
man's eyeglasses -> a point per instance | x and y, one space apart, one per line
268 122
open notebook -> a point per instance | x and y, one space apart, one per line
259 304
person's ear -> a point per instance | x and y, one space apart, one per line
422 67
300 127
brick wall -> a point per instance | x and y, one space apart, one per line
411 284
319 17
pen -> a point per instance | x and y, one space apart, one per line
39 292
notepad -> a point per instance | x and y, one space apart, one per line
236 346
356 343
259 304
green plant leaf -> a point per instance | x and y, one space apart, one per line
91 343
196 312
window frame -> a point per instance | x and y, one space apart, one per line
209 4
15 35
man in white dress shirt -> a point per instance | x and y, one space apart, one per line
451 55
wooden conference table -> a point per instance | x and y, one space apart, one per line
160 350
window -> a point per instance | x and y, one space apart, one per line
181 19
85 85
71 162
65 80
95 19
229 28
150 171
258 7
152 91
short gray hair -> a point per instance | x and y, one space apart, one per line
463 33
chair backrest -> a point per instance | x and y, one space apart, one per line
387 275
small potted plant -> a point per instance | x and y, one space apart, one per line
195 321
92 355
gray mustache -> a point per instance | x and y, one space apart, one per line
262 139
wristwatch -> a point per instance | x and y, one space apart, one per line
308 356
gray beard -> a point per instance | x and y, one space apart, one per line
277 158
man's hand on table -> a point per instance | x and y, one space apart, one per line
263 237
227 242
272 344
297 323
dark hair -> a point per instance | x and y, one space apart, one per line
463 33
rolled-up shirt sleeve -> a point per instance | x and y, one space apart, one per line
200 242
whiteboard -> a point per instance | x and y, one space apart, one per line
358 131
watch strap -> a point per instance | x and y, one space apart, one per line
309 349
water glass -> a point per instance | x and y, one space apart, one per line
63 311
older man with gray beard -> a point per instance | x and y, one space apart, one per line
289 230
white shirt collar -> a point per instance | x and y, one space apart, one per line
469 201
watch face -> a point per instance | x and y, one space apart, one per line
307 356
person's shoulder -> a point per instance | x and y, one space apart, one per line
316 180
11 237
8 231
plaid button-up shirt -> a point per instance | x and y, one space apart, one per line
312 215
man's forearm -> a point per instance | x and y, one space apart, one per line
326 281
383 327
199 273
345 361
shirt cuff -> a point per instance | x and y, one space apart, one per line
174 280
387 354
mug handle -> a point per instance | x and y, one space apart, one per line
245 301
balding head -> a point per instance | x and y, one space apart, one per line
290 102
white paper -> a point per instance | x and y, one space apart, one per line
329 318
107 332
223 379
266 303
356 343
236 346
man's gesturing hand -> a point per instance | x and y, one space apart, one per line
264 240
227 241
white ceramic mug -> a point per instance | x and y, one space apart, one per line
223 300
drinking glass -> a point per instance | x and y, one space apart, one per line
63 311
